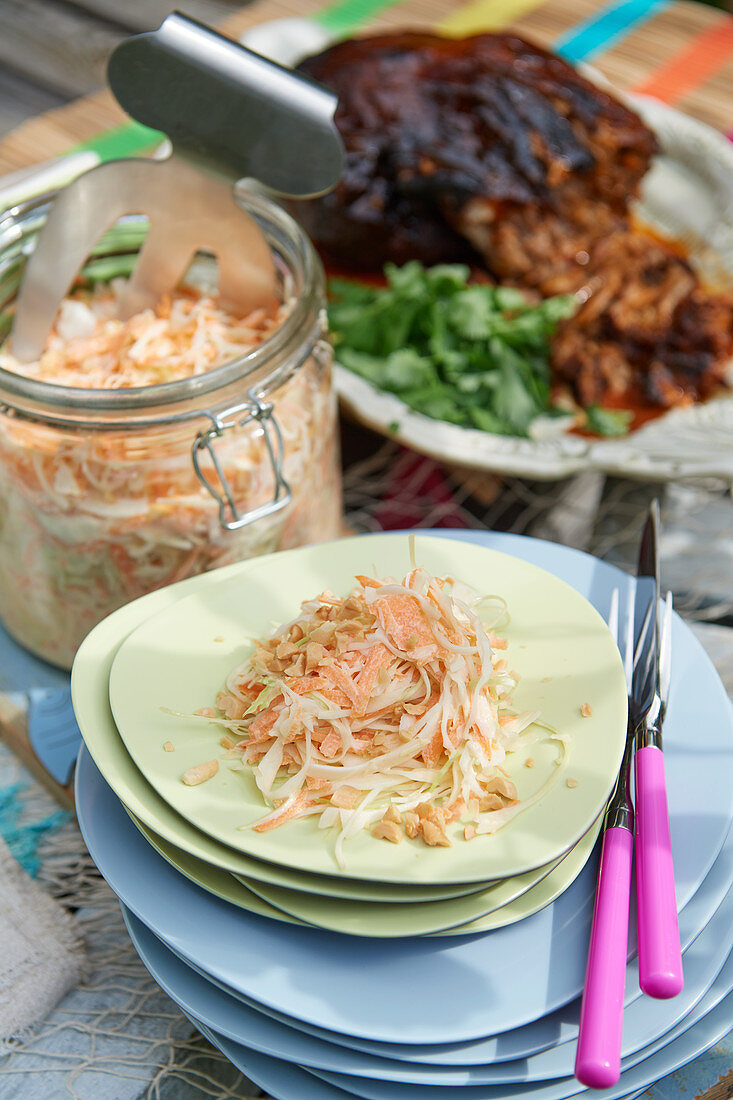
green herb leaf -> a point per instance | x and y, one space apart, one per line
469 354
610 422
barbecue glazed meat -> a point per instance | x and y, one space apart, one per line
649 334
483 133
493 151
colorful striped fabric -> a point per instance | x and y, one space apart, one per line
342 17
486 15
702 57
610 25
597 31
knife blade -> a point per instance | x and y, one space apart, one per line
660 958
645 693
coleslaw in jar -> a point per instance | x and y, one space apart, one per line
136 462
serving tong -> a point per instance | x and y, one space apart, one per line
230 115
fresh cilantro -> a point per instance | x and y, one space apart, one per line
607 421
470 354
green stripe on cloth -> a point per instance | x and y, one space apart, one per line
344 16
125 140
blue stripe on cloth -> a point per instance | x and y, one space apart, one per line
607 27
23 838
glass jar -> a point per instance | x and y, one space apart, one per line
108 494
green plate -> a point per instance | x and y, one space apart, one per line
501 904
90 690
213 879
384 921
541 895
565 655
534 891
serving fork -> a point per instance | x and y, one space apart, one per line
598 1057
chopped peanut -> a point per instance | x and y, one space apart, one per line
491 802
571 783
412 825
314 654
323 633
296 632
168 746
394 815
230 706
586 710
501 785
424 810
298 667
200 773
529 762
387 830
434 835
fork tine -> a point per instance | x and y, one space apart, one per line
628 649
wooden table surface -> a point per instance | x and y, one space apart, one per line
52 52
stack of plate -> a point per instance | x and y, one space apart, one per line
470 959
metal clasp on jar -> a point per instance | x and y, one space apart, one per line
238 416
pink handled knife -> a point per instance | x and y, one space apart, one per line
660 958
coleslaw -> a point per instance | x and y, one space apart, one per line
389 710
90 519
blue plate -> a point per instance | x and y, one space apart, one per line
645 1021
642 1017
494 982
717 997
299 1085
287 1082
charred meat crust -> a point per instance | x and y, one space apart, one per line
430 123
